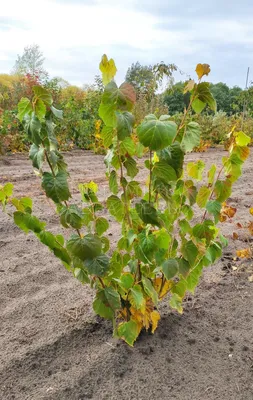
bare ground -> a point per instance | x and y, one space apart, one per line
52 347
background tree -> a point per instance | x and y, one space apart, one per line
142 78
175 99
31 63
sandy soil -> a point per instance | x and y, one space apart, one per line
52 347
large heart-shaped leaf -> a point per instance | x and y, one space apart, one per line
156 134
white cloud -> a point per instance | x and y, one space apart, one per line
74 34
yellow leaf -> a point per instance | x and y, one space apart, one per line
108 69
227 211
235 235
202 69
251 210
244 253
155 157
155 317
166 287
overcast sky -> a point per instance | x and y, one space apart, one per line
73 34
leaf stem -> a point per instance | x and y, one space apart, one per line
150 176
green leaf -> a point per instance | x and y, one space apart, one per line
198 105
190 252
131 167
56 187
163 238
37 155
102 307
133 189
214 252
81 275
128 331
195 169
63 255
85 248
145 247
185 227
87 216
137 298
107 112
214 207
24 107
116 207
164 171
43 94
48 239
147 213
57 113
28 222
113 184
180 288
125 123
98 266
183 266
191 137
223 190
105 244
101 225
115 99
187 211
156 134
71 216
107 135
8 189
233 167
126 281
190 191
108 69
149 289
127 146
192 279
170 268
174 156
205 96
206 230
112 298
202 196
176 303
40 109
33 129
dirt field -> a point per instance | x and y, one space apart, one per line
52 347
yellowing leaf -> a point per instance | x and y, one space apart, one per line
129 331
244 253
108 69
242 139
154 317
189 86
203 196
202 69
176 303
227 211
166 287
251 210
250 227
195 169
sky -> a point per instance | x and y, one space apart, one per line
74 34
